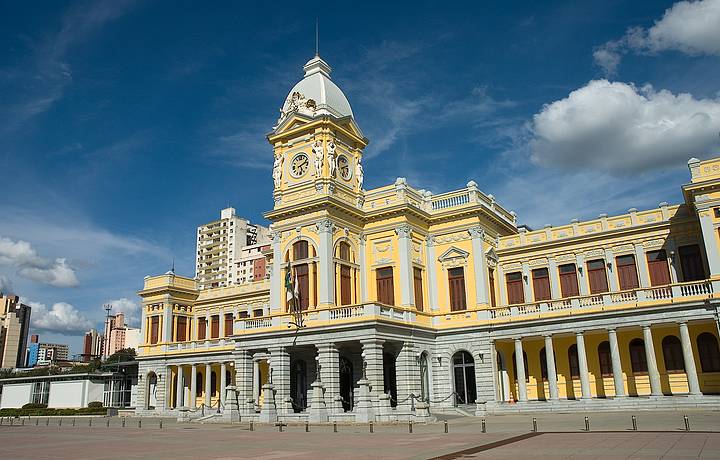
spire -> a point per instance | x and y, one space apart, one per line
317 37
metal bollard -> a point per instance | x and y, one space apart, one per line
73 422
410 426
37 421
47 422
446 426
482 426
107 423
22 422
251 425
334 427
534 425
123 422
634 423
139 423
60 422
280 425
307 426
371 427
687 422
587 423
161 424
90 421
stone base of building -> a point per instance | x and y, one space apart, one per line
639 403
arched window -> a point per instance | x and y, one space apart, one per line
573 361
672 354
638 360
525 365
346 268
709 354
605 359
543 364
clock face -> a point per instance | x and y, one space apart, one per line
344 167
299 165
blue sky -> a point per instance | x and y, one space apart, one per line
125 124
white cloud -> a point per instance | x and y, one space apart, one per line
30 265
689 27
61 318
129 307
6 285
619 128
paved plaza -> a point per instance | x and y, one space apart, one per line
659 435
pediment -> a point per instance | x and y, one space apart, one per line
453 253
491 255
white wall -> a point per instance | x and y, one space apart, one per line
15 395
95 392
70 394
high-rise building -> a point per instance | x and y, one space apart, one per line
116 335
92 345
50 353
14 327
33 351
219 248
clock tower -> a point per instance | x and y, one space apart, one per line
316 143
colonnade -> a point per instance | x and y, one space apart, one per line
185 393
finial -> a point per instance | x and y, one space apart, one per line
317 36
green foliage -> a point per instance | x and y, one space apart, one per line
126 354
34 406
95 405
51 412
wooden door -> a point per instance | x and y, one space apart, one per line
385 288
456 282
541 284
597 276
303 281
691 263
202 328
418 288
658 268
214 327
568 280
627 272
228 324
491 280
154 329
181 335
345 289
514 284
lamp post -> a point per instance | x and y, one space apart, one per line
106 332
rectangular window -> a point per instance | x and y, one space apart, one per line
258 312
491 280
627 272
514 283
154 329
40 392
418 288
243 314
658 268
568 280
214 326
597 276
228 324
300 250
691 263
345 286
541 284
385 288
181 336
456 281
202 328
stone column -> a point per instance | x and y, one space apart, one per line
179 388
582 363
582 278
223 383
407 294
520 366
329 360
192 402
432 283
280 369
208 387
616 364
408 377
690 370
477 235
653 373
256 383
168 387
551 371
276 273
710 240
502 285
373 357
363 269
326 272
641 263
167 321
244 381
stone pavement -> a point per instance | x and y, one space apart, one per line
660 435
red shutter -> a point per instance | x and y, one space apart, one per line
345 289
514 285
597 277
181 329
627 273
214 327
568 280
418 287
154 329
691 263
303 285
658 268
228 324
456 281
385 288
541 284
491 280
202 328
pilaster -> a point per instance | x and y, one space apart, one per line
407 294
431 269
479 265
326 271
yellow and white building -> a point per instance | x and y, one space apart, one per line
411 302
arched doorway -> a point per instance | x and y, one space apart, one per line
151 388
424 378
390 377
346 383
298 386
503 378
464 376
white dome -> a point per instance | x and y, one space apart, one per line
316 94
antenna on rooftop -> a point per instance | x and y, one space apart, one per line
317 36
